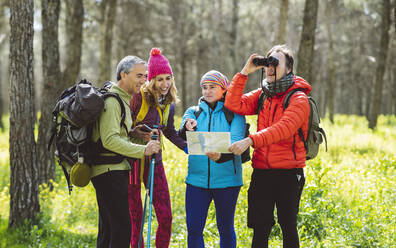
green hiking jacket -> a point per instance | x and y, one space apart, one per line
114 137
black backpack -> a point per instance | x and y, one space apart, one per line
315 133
229 115
74 115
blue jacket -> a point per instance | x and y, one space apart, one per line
204 172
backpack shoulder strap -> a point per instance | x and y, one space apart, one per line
287 98
197 111
105 90
229 115
260 102
286 102
116 96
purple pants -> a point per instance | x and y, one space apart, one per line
161 203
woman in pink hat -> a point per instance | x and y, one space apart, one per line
154 106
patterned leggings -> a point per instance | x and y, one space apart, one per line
161 203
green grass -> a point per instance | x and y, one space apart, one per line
349 199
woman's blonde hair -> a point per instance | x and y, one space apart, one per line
152 95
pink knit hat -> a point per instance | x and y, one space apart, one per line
158 64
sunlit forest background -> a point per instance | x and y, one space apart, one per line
346 49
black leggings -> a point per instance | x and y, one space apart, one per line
261 235
270 188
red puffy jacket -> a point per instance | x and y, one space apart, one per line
276 142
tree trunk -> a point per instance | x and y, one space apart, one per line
108 13
392 71
379 75
74 23
201 54
331 70
284 9
183 57
51 76
24 201
361 84
394 93
183 80
307 42
3 23
1 104
215 44
233 36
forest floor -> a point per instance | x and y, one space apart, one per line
349 199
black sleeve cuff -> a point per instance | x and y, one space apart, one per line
224 157
182 132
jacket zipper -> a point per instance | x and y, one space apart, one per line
210 119
273 116
270 112
269 167
294 147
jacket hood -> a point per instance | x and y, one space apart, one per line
300 83
205 107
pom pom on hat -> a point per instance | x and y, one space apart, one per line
155 51
215 77
158 64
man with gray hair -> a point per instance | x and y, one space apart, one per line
111 178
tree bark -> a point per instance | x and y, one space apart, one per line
24 201
183 60
202 49
233 36
284 9
331 71
394 93
51 76
3 23
1 103
361 85
74 22
215 43
108 13
307 42
379 75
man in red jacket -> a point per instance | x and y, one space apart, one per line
279 152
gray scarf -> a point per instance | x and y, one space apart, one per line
281 85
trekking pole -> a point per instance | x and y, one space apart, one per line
153 137
150 185
144 213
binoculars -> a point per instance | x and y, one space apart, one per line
266 61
